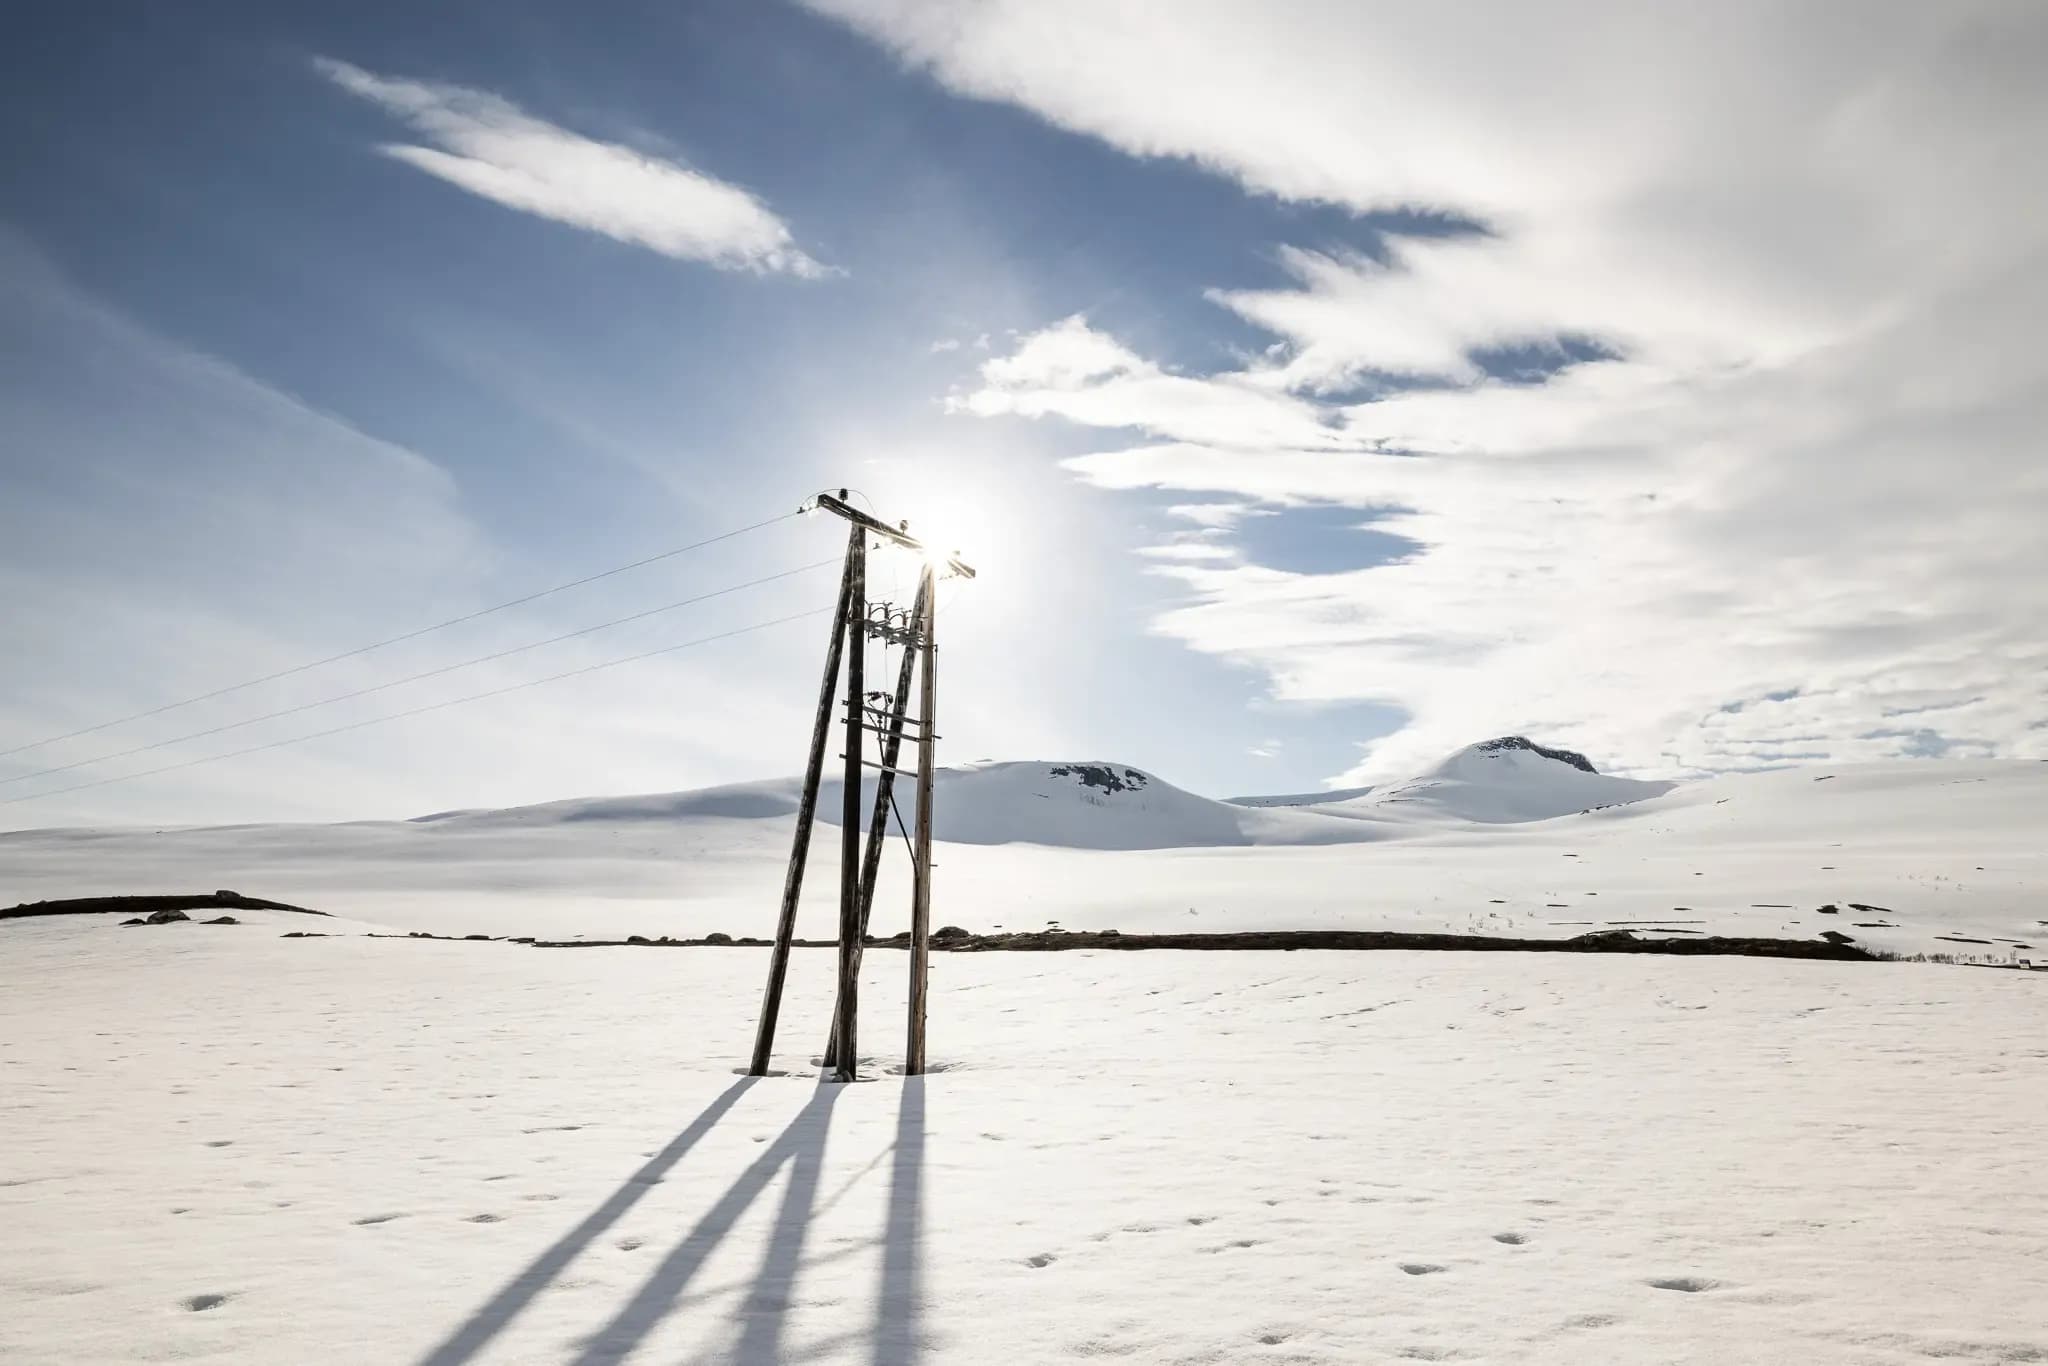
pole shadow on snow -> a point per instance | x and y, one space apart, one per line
490 1319
765 1309
898 1295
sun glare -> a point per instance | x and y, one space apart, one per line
951 530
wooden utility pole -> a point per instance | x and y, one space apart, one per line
846 1012
852 625
921 850
806 815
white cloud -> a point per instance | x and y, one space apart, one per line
1193 552
1816 241
1071 370
492 148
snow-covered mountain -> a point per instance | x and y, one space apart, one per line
1102 805
1504 837
1494 782
1505 781
1074 805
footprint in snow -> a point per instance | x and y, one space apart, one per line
198 1303
484 1219
1043 1259
375 1219
1511 1239
1421 1268
1691 1285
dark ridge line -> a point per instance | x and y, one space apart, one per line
1605 941
147 905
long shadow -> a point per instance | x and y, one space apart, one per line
897 1299
802 1143
767 1303
491 1318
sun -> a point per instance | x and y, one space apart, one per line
952 529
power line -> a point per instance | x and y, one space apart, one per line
414 678
398 639
419 711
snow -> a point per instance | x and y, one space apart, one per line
1499 782
221 1145
1949 853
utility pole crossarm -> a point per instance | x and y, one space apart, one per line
840 508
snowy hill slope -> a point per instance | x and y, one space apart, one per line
1069 805
1500 781
1918 856
1342 794
1494 782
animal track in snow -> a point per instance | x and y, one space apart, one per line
198 1303
1042 1259
1421 1268
1511 1239
375 1219
484 1219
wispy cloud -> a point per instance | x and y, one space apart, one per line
190 474
1807 454
492 148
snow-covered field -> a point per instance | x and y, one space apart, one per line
221 1145
1951 856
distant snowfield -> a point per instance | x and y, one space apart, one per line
1952 856
221 1145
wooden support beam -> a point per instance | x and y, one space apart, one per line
847 1006
921 865
840 508
806 813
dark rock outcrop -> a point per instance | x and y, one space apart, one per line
147 903
1103 776
1563 756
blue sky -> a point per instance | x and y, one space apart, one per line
592 401
274 391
